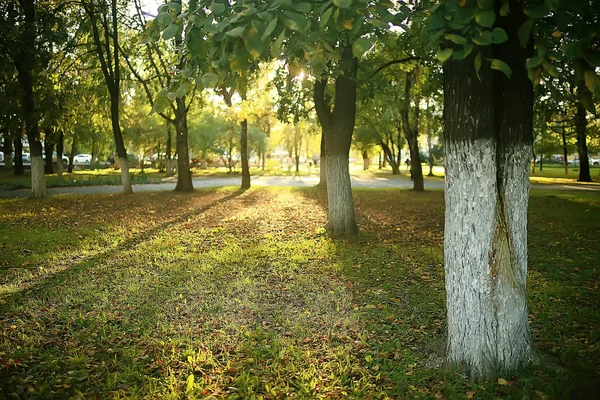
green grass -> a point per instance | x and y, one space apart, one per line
241 295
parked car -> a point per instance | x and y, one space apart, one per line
80 159
592 161
65 159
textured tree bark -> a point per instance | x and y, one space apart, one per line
184 175
18 161
488 141
48 150
565 151
324 115
244 151
25 65
342 220
7 150
580 128
323 163
60 147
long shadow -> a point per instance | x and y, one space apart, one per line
62 276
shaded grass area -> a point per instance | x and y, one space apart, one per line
240 295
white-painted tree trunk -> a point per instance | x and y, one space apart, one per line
38 179
125 178
8 161
485 249
339 197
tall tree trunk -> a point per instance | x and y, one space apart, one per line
430 157
411 132
7 150
73 153
93 163
19 168
110 65
244 151
580 128
565 151
60 147
48 150
25 65
184 175
323 163
342 220
488 141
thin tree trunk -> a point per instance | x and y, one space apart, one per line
60 147
244 151
7 150
48 150
488 141
323 163
184 175
389 157
565 152
580 128
19 168
73 152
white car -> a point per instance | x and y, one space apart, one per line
82 159
594 161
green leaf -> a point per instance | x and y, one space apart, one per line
477 64
342 3
164 18
505 9
455 38
295 21
254 46
592 82
170 32
183 89
485 4
538 11
501 66
236 32
303 7
276 47
534 62
210 80
217 8
550 69
573 49
483 39
270 28
499 35
524 32
175 7
325 18
592 58
485 18
360 46
444 54
462 53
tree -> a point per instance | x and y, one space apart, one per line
25 64
103 19
328 39
166 92
488 116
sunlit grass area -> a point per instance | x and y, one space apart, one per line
242 295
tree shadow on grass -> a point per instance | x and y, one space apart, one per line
63 275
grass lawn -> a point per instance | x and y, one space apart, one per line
241 295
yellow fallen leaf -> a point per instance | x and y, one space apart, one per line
502 382
470 394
